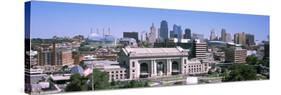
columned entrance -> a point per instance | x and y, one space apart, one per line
144 70
175 68
160 68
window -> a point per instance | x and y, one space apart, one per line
133 70
133 64
116 71
184 61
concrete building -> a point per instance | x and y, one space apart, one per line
251 53
51 55
33 57
199 49
219 56
240 38
195 67
66 57
115 71
236 55
175 40
131 35
228 37
128 42
154 62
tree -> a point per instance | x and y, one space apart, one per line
113 82
252 60
101 80
77 83
241 72
265 62
135 84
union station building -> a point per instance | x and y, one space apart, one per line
158 62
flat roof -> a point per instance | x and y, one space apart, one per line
60 77
154 51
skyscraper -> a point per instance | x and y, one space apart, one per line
213 35
172 34
187 34
180 35
228 37
164 32
177 32
131 35
250 39
235 37
152 35
240 38
223 35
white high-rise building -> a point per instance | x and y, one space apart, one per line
228 37
152 35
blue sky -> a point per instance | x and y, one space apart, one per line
67 19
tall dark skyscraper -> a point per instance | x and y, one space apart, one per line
187 33
213 35
250 39
131 35
164 32
223 35
172 34
177 32
266 49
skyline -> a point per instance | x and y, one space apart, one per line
56 19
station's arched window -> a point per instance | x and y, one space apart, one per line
133 64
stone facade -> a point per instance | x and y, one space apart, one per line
154 62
